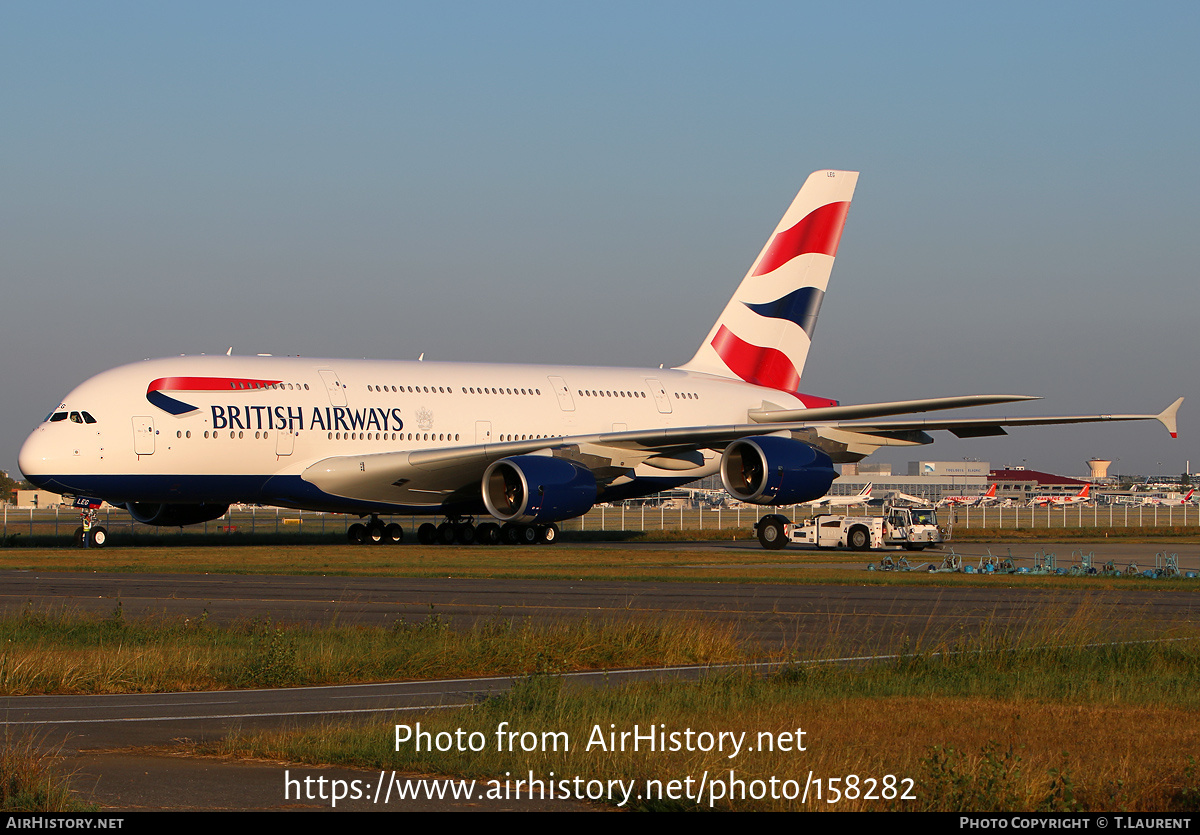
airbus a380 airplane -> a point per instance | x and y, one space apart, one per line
176 441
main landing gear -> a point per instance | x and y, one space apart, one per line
464 532
374 532
456 530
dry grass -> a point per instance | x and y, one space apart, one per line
671 563
1027 719
32 780
71 653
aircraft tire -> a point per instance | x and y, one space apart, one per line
527 535
427 534
356 534
98 537
78 537
771 533
375 532
859 538
393 534
548 535
445 533
464 534
487 533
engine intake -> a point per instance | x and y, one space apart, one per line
538 489
774 470
175 515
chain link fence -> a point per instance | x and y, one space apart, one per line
63 520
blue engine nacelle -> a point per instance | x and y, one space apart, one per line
537 489
175 515
774 470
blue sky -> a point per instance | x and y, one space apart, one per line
587 185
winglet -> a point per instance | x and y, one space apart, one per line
1167 417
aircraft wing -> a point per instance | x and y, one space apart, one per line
869 410
978 427
434 476
453 474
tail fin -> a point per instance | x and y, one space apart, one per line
991 493
764 333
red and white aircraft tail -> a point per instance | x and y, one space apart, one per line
763 334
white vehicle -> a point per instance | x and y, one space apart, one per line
911 528
178 440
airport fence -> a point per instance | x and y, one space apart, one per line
63 520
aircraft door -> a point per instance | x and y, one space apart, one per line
285 442
337 391
143 435
661 400
483 431
563 393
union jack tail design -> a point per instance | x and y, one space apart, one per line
764 332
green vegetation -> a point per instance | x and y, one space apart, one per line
1044 720
1176 533
669 563
31 779
58 653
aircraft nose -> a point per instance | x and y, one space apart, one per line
40 457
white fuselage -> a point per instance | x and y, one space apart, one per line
251 426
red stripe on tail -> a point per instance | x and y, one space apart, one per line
818 231
754 364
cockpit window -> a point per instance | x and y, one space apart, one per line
75 417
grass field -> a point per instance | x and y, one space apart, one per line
1045 719
673 562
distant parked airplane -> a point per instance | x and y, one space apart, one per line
1159 500
862 497
968 501
1079 498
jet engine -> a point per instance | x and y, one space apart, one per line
531 489
774 470
175 515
